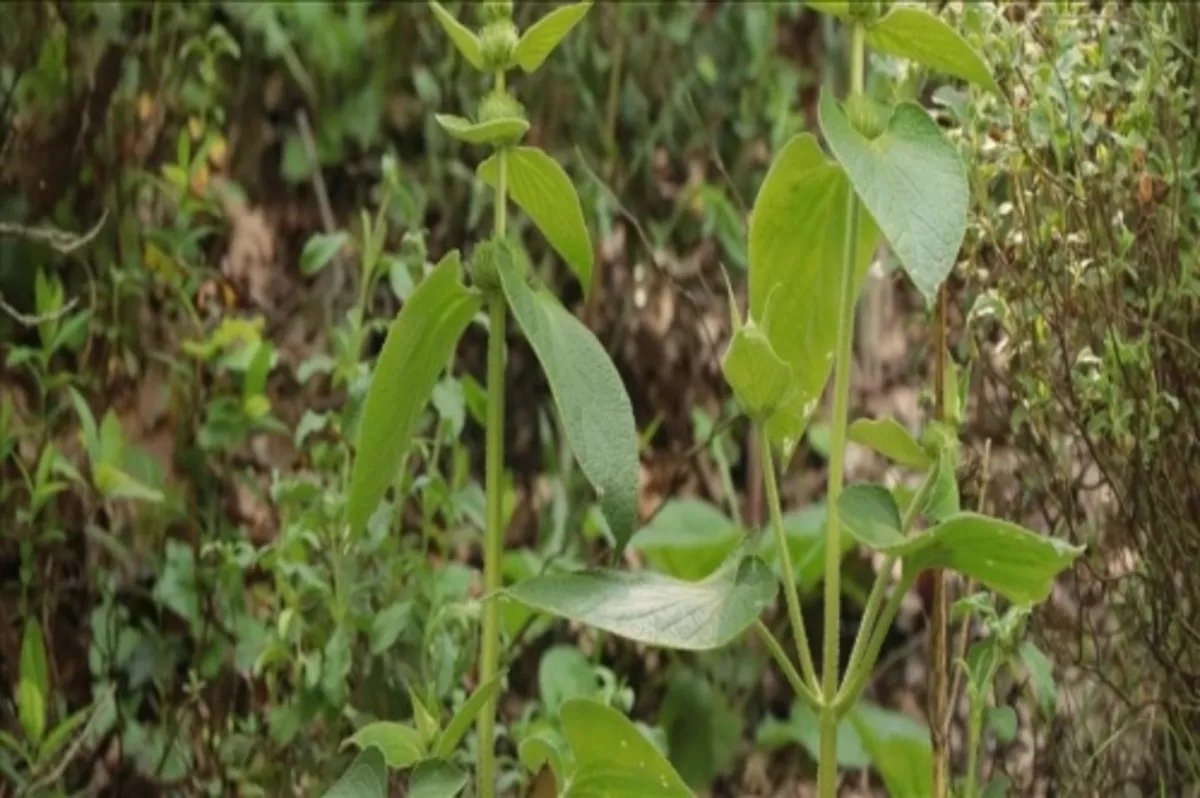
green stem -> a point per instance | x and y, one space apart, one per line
785 561
854 686
867 624
494 533
803 691
827 763
974 733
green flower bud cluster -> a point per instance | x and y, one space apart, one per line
866 12
497 42
866 116
495 10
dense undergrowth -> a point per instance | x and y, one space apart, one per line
211 213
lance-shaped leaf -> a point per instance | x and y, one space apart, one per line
656 609
914 33
436 778
613 759
498 131
888 437
912 181
418 347
797 241
462 720
542 189
545 34
1018 564
366 777
466 41
596 414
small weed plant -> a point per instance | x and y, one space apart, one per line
815 225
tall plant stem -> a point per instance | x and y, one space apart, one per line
940 616
785 559
494 532
827 763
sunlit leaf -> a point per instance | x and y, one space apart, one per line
888 437
497 131
914 33
544 35
400 743
462 37
545 193
761 380
613 759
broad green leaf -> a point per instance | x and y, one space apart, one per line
870 514
542 189
1018 564
365 778
418 347
1003 723
400 743
545 747
889 437
912 180
1041 677
466 41
564 673
703 730
687 539
916 34
34 667
545 34
319 250
436 778
899 749
596 414
116 485
613 759
656 609
761 380
498 131
465 716
797 238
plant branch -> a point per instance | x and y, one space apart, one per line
60 241
785 561
802 690
827 764
940 620
854 687
867 624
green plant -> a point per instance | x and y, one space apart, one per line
813 230
597 418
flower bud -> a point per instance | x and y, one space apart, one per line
866 12
496 10
498 42
866 116
499 104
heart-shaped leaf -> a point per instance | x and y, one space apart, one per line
1006 558
899 749
544 191
462 720
761 380
400 743
508 130
418 346
796 242
436 778
912 181
462 37
613 759
871 515
544 35
914 33
888 437
656 609
597 416
687 539
365 778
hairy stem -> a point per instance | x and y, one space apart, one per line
494 533
827 764
785 561
940 620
